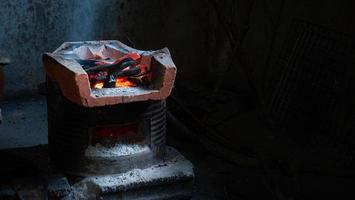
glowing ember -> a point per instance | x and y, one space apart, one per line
124 82
126 71
99 85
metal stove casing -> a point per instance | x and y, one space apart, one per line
69 134
142 169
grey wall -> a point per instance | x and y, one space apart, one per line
191 29
30 27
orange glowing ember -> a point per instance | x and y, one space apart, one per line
99 85
124 82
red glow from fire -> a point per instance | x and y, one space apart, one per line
99 85
124 82
112 133
96 78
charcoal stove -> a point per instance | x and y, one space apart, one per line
103 131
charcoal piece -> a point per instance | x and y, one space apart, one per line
131 72
127 63
111 67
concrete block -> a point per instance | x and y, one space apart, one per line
171 179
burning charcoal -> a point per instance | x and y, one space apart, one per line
105 75
128 63
116 66
111 81
134 71
103 67
140 80
100 76
124 82
130 72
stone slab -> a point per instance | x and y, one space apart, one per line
170 179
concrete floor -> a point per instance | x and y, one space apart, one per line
24 123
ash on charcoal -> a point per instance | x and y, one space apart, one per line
117 150
175 168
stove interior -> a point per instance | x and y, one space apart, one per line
96 140
108 67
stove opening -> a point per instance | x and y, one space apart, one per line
128 133
112 70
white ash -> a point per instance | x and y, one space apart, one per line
83 190
124 91
117 150
175 168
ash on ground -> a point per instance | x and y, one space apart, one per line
118 150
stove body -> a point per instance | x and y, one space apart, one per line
104 140
109 132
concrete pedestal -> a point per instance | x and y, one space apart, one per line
172 178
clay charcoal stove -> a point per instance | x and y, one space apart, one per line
106 118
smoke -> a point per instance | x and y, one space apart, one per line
81 22
94 19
